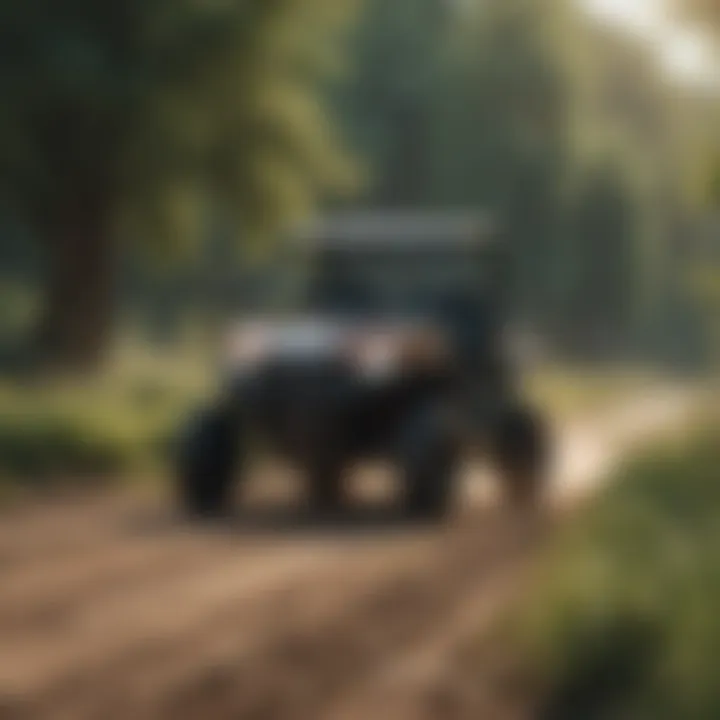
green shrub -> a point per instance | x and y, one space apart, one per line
624 622
93 430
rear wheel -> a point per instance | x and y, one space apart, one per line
209 457
520 451
428 461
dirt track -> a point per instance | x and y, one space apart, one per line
109 609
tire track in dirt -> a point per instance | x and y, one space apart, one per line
54 594
302 670
60 531
47 586
311 599
148 613
405 686
143 679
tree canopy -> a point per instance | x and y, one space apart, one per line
142 119
567 130
161 123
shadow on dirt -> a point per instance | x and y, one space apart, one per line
351 521
289 522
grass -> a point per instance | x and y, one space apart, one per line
100 429
623 622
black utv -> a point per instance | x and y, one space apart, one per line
395 350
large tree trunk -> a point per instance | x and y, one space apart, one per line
78 308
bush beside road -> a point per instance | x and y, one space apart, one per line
622 620
99 430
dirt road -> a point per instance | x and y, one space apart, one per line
110 609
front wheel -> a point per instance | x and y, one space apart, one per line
208 459
520 449
428 460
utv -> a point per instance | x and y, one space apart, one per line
396 350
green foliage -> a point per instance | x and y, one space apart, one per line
506 133
17 307
158 122
465 104
602 262
167 123
389 101
101 429
41 444
624 620
565 130
158 112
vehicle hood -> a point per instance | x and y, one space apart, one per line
396 342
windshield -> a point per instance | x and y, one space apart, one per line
397 284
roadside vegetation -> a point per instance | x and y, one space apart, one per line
623 620
98 430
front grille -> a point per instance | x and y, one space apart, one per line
300 403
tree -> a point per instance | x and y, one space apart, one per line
604 262
148 120
505 133
564 129
389 102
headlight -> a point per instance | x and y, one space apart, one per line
377 358
247 347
